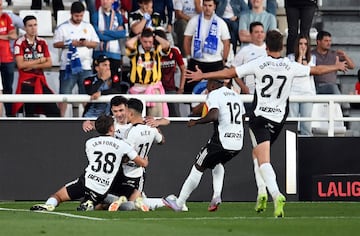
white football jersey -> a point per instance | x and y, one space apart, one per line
104 154
140 137
246 54
229 127
273 78
120 129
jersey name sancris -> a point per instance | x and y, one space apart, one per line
104 154
229 128
140 137
273 81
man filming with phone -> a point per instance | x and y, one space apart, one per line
77 39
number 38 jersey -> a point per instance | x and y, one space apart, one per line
273 81
229 129
104 154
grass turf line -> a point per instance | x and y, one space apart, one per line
232 218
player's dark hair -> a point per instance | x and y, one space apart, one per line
144 1
147 32
77 7
27 18
136 105
254 24
103 124
161 33
118 100
274 41
216 2
321 34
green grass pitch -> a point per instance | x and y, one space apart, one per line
232 218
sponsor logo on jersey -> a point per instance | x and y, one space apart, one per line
233 135
270 109
98 179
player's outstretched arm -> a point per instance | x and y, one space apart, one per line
198 75
323 69
211 116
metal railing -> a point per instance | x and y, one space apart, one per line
175 98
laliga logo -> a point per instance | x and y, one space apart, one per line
338 189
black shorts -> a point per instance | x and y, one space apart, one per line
262 129
125 186
212 154
76 188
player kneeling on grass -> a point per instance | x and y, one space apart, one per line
105 154
226 111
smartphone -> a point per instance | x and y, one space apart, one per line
82 39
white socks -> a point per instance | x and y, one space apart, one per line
52 201
153 203
189 185
259 179
268 174
218 179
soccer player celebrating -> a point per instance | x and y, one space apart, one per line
273 79
105 154
226 110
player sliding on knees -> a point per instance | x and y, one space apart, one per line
105 155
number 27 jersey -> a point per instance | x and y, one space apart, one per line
273 81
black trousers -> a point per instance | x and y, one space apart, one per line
294 15
31 109
56 5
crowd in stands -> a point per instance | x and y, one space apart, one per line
147 41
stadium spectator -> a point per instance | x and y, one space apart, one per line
1 92
357 85
269 108
18 24
7 65
109 26
256 48
257 13
77 39
57 5
302 86
206 42
145 70
184 10
168 68
230 11
166 10
32 57
326 83
271 6
298 11
103 83
143 17
225 143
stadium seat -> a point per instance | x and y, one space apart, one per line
320 128
64 15
44 20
